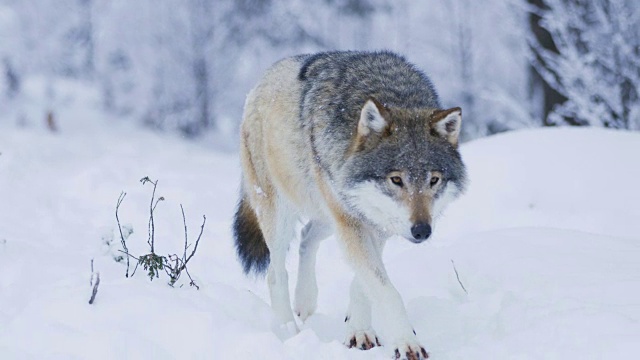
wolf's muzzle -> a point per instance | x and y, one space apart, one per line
420 232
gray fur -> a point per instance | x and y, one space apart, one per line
337 84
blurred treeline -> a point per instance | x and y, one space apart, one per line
186 65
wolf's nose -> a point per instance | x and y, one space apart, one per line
421 232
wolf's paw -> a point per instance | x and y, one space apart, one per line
304 312
363 340
287 330
410 351
305 303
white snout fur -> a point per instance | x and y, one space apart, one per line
380 209
449 194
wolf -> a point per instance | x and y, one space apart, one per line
354 144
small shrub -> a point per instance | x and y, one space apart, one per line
173 265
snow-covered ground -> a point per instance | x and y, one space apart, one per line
546 243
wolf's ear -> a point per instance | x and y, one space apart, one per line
446 124
373 118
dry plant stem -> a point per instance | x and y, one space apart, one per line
184 222
458 277
152 207
180 264
134 258
95 289
204 220
95 285
124 243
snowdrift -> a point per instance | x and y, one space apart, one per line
546 244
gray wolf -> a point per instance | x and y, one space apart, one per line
355 144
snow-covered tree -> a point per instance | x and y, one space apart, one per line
597 62
475 52
187 65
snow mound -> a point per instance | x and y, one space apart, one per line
582 179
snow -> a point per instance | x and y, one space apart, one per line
545 242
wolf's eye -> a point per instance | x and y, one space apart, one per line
434 180
397 180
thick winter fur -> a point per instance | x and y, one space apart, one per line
358 145
250 244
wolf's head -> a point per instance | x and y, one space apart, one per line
404 167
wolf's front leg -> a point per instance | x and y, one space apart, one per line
385 300
359 332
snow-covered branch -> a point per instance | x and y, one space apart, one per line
596 65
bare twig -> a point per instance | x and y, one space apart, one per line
95 289
122 239
191 282
458 277
186 236
94 284
175 264
204 220
152 207
135 268
134 258
129 255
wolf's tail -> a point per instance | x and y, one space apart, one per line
250 245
